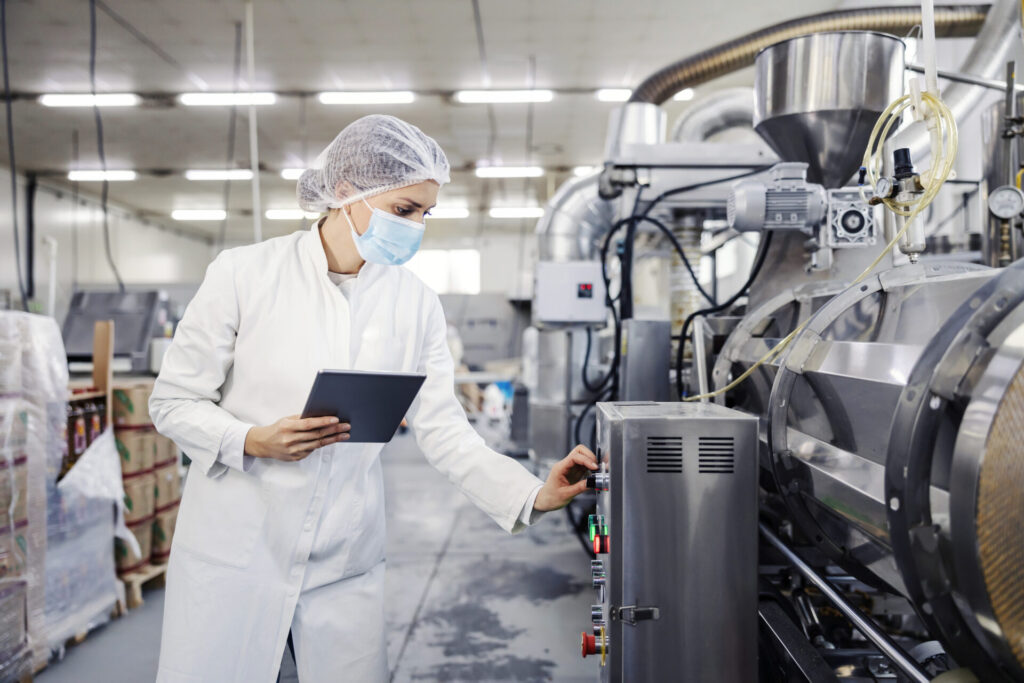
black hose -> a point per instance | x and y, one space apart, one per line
10 157
762 254
950 21
105 191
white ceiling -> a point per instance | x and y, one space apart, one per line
313 45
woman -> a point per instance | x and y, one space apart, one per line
281 527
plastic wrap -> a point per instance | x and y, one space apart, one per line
33 394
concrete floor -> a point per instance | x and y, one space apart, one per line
466 601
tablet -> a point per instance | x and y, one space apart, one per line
374 403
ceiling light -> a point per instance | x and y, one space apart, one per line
366 97
449 212
502 96
89 100
90 176
614 94
221 99
227 174
509 171
292 173
683 95
517 212
199 215
290 214
581 171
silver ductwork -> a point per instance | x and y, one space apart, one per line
574 222
718 112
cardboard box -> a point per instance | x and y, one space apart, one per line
163 534
131 405
125 559
137 448
166 451
168 486
139 497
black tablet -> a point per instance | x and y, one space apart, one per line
374 403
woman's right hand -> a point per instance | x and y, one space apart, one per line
293 438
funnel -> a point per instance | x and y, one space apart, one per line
817 97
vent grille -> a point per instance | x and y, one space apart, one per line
665 454
715 455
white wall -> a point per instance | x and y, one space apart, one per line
147 256
505 268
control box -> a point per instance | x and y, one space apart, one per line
675 534
569 293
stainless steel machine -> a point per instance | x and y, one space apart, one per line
675 598
889 527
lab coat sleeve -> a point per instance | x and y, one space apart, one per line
495 483
184 400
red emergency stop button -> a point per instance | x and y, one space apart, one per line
588 645
601 544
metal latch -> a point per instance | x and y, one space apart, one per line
631 614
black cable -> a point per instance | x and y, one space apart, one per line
10 156
232 118
105 192
762 254
682 255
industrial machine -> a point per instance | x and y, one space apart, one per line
672 476
866 360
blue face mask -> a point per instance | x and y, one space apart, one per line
389 240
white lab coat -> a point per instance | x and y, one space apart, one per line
264 546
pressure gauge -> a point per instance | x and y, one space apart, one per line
883 188
1006 202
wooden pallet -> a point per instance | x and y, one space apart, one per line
151 576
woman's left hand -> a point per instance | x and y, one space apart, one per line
567 479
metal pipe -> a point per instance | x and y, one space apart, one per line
950 21
254 148
990 83
725 109
574 221
879 638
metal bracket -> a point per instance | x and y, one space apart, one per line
631 614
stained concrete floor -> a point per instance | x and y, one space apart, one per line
466 601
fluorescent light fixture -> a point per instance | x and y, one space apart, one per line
502 96
517 212
580 171
226 174
509 171
289 214
614 94
292 173
222 99
449 212
367 97
199 215
683 95
124 99
99 176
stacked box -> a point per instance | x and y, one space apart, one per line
128 561
138 450
163 534
131 405
48 543
168 486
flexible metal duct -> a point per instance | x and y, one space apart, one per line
950 21
725 109
574 222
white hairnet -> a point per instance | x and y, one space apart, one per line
371 155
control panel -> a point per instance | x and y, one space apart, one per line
569 293
675 544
